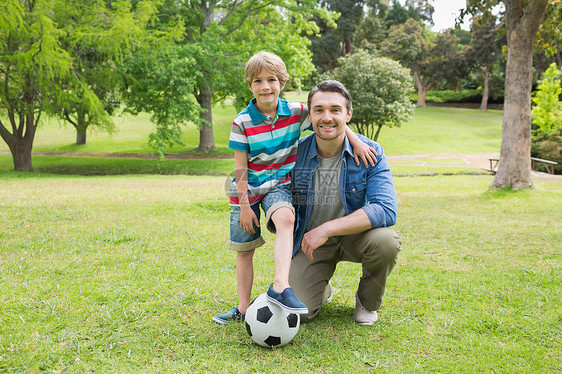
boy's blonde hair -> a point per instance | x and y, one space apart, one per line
266 60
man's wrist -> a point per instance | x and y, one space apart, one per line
327 228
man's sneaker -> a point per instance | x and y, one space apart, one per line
363 316
287 300
233 315
328 293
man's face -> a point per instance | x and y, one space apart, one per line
328 115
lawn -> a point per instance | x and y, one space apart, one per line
123 273
118 264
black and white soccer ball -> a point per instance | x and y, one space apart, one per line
269 325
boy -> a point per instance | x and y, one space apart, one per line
264 138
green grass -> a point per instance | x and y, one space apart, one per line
123 273
427 160
111 273
436 130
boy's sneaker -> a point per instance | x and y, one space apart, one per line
287 300
233 315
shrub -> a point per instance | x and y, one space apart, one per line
380 90
450 96
550 149
547 109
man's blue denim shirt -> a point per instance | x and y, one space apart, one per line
370 189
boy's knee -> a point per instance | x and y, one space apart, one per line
283 217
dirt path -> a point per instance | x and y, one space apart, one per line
477 160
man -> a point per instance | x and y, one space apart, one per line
343 211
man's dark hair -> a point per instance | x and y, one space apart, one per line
331 86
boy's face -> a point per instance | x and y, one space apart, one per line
266 89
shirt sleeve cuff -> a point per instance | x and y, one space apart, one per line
376 215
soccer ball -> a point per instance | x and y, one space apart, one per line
269 325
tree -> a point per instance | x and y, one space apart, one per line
380 89
407 44
440 63
372 30
420 10
161 81
485 50
31 63
331 43
522 20
97 35
351 14
219 36
447 61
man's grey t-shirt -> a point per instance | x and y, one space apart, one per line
327 204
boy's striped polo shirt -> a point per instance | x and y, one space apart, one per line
271 146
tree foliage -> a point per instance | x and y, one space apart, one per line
97 34
380 90
161 81
218 38
438 63
547 111
485 51
420 10
549 36
32 62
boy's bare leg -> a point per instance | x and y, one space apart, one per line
284 220
245 278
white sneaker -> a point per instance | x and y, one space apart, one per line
328 293
363 316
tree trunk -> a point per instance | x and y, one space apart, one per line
486 89
81 128
206 138
80 136
21 155
346 45
421 89
377 133
514 168
20 146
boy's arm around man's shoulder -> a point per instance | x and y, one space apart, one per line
382 202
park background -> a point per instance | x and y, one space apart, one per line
113 259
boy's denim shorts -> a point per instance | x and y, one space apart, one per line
240 239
